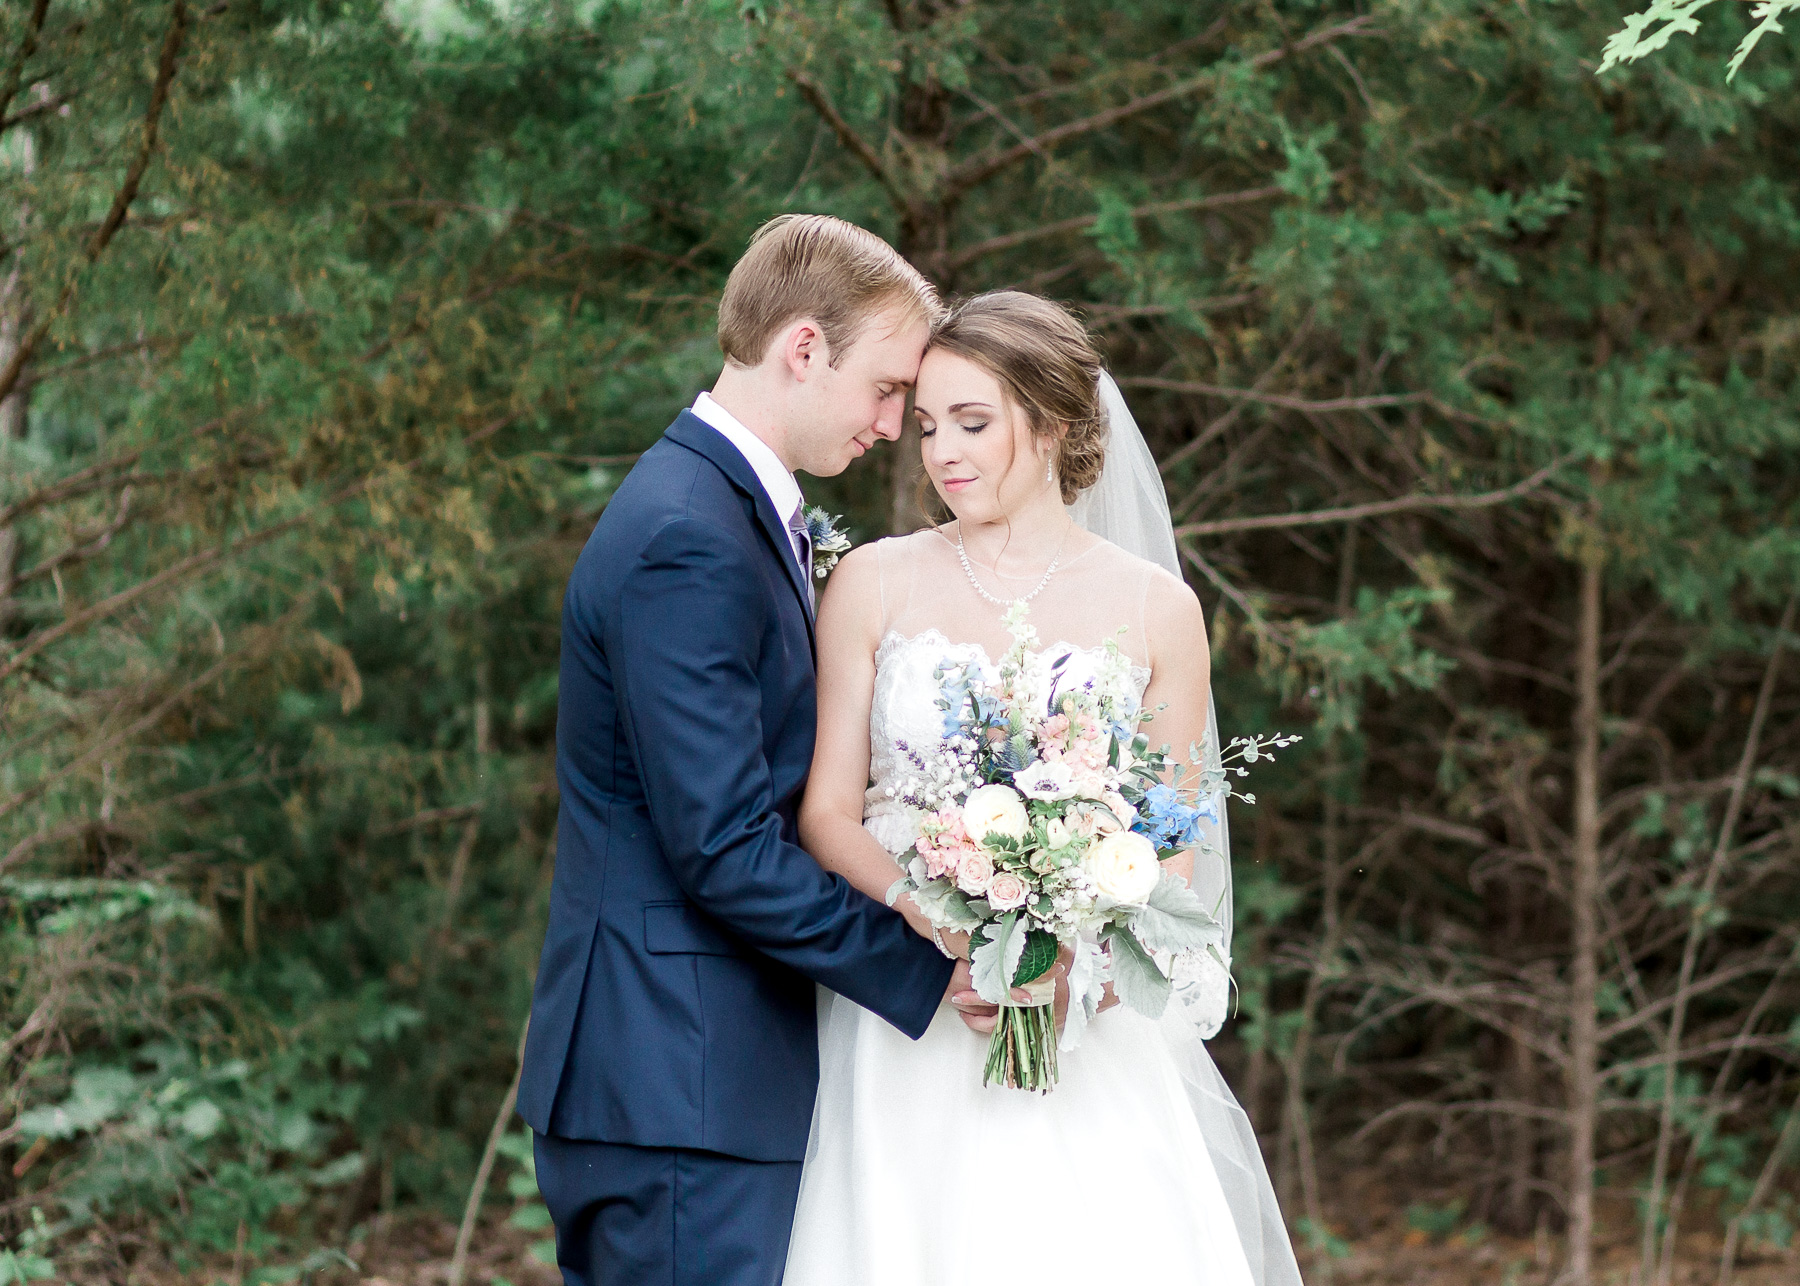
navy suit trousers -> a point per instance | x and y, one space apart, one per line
631 1216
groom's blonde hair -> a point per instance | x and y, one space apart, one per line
812 265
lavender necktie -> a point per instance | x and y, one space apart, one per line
803 549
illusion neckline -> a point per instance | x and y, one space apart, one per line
1100 542
894 638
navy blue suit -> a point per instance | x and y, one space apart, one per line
672 1060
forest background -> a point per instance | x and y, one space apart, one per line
326 329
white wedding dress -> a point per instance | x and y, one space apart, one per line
1139 1167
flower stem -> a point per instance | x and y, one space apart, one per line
1022 1051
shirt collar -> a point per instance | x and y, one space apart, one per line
783 491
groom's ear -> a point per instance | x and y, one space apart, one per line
804 349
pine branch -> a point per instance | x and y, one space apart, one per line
122 199
104 474
204 561
15 71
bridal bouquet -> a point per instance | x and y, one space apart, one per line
1047 818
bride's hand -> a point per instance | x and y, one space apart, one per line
977 1014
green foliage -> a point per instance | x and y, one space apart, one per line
290 486
1037 957
529 1212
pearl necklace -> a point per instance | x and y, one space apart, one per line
1055 561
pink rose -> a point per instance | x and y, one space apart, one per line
1006 892
974 872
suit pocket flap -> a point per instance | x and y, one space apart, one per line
676 927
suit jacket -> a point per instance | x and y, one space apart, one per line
674 1004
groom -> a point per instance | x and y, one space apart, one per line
672 1061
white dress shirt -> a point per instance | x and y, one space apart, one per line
777 482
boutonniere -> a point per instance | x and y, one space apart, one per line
829 543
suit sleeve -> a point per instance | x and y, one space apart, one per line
683 645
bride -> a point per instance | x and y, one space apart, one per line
1140 1166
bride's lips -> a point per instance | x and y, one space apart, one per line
957 484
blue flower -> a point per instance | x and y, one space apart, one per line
829 543
1170 820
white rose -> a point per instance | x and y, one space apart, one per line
1056 833
994 810
1123 866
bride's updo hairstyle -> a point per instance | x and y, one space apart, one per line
1047 365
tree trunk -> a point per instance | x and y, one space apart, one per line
1584 889
15 321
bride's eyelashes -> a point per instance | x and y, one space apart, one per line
966 428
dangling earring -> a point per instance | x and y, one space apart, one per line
1049 468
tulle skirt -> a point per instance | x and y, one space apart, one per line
1139 1167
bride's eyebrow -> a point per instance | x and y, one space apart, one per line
969 406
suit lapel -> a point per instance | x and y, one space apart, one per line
690 431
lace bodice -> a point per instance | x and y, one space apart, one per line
905 711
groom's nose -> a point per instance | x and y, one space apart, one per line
888 419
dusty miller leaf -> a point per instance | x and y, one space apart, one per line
997 958
1174 919
1136 979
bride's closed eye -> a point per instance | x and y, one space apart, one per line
966 428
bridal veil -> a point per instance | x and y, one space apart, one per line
1127 506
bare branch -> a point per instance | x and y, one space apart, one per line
1700 987
1351 513
104 474
1301 333
83 548
815 95
1697 927
1489 1106
980 168
1283 400
39 108
996 244
430 817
